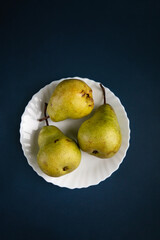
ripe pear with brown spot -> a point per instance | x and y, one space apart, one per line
100 135
72 98
58 155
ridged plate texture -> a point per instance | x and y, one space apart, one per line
92 170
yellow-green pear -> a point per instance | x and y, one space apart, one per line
72 98
100 135
58 154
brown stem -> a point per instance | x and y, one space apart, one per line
45 116
45 109
104 93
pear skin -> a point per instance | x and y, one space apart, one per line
58 155
72 98
100 135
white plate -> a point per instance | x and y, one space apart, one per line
92 170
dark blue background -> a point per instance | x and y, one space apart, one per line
117 43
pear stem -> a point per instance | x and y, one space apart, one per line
46 117
104 93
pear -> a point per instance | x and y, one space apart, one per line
100 135
58 155
72 98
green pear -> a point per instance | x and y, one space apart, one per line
72 98
58 155
100 135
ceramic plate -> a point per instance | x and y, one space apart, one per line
92 170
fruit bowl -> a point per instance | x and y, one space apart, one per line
92 170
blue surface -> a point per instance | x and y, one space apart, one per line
118 44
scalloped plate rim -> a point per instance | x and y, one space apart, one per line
98 181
